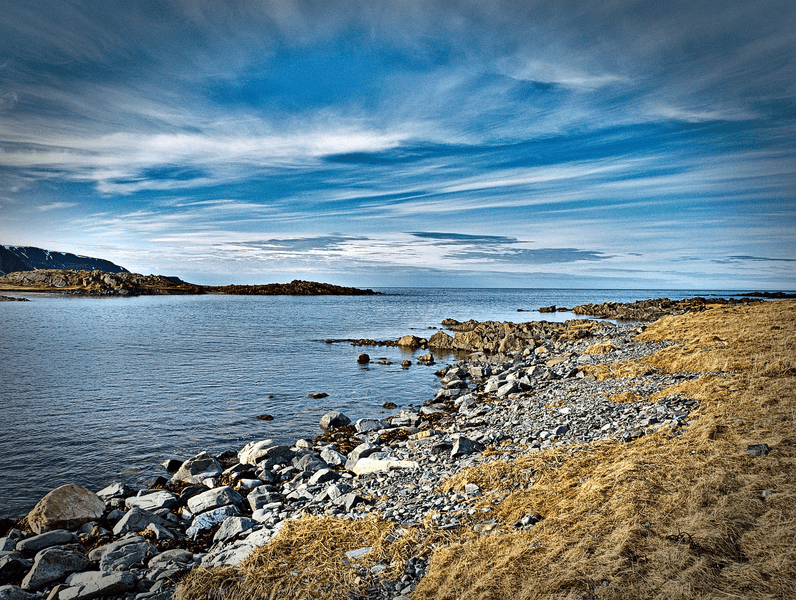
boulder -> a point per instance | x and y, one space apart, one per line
223 496
197 469
363 359
175 556
14 566
52 565
66 507
97 553
441 341
125 557
324 476
411 341
334 420
262 496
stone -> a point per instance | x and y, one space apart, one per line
66 507
177 555
116 490
261 496
52 565
172 465
411 341
366 425
159 533
97 553
254 453
198 468
211 518
406 363
441 341
152 501
56 537
13 592
332 457
125 557
318 395
323 476
354 555
14 566
758 449
363 359
232 527
378 465
334 420
464 446
223 496
136 519
426 358
507 388
98 584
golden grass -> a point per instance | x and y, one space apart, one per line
657 518
682 518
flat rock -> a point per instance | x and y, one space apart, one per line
377 465
464 446
177 555
66 507
332 457
56 537
116 490
52 565
366 425
152 501
97 553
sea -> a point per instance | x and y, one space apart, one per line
101 389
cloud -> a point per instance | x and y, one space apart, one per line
57 206
731 259
463 238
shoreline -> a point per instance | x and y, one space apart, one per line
409 473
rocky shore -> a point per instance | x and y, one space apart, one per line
99 283
521 389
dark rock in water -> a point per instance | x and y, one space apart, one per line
318 395
363 359
389 405
156 481
406 364
265 417
548 309
758 449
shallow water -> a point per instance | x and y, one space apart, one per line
102 389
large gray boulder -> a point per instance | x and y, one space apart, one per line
97 553
366 425
256 452
14 592
214 498
52 565
128 556
197 469
66 507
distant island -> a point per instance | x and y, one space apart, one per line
99 283
29 269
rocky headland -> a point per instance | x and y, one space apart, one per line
545 440
99 283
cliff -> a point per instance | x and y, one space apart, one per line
28 258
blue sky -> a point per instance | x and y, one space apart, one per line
489 144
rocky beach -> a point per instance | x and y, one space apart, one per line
546 444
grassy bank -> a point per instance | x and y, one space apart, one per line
694 516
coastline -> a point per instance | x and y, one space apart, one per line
438 468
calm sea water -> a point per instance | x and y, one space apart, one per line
94 390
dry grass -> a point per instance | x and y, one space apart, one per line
684 517
657 518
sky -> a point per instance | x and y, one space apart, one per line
573 144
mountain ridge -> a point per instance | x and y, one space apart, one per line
30 258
